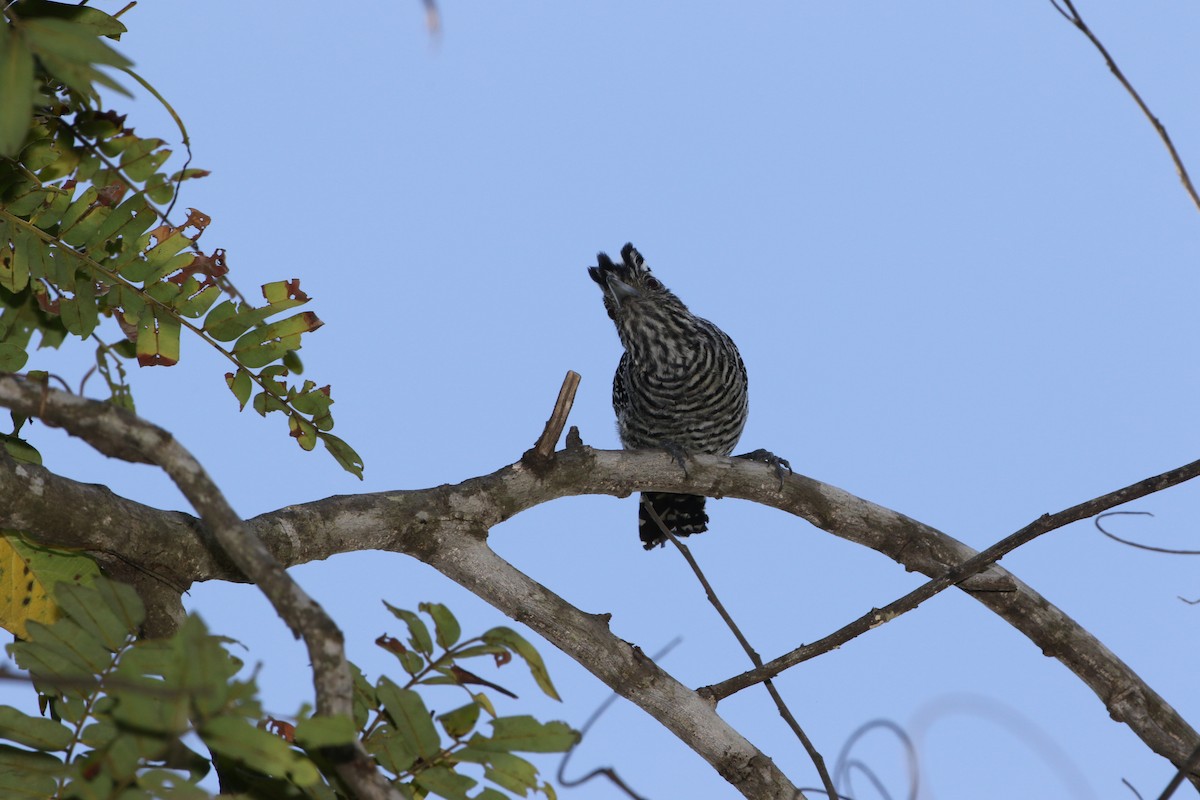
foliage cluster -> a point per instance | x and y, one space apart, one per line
86 234
90 254
124 715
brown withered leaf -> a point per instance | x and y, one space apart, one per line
128 328
46 304
391 644
198 220
111 195
211 267
293 290
284 730
464 677
162 233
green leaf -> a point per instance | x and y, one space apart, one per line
194 301
316 732
78 207
461 721
163 258
445 783
39 154
448 629
99 734
345 455
146 705
111 610
261 346
79 313
27 202
16 90
488 793
100 23
230 320
512 640
17 447
474 651
85 228
140 160
314 402
292 361
14 264
161 783
410 717
364 697
302 431
391 749
25 774
78 647
12 357
239 740
527 735
266 402
128 220
512 773
73 42
158 340
40 734
241 386
420 639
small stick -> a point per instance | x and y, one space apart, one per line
558 418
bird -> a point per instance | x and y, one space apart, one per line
680 385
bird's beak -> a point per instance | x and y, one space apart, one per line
618 288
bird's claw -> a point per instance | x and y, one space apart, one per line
782 467
677 454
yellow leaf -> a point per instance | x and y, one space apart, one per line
27 577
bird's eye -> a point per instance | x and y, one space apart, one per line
653 282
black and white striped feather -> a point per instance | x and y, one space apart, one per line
680 385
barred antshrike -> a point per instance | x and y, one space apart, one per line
680 385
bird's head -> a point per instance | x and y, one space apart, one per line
630 290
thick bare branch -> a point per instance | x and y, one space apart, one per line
972 566
119 433
415 522
463 556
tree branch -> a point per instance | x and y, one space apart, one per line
558 417
972 566
1072 15
119 433
465 558
422 522
786 713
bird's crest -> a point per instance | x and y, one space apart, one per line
629 281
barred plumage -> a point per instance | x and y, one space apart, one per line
680 385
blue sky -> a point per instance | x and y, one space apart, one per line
957 262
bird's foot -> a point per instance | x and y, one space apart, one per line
677 454
782 467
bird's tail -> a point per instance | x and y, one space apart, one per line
683 514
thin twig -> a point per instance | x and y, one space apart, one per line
1133 789
1139 546
1184 771
841 767
977 563
784 711
558 417
1071 14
